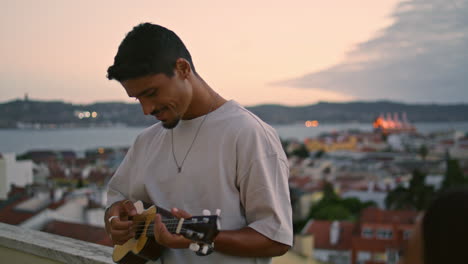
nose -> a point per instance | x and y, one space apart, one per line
147 107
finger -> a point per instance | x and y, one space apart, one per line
118 224
159 228
179 213
122 234
129 208
167 239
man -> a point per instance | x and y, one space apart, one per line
206 153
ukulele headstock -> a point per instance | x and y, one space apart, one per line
202 230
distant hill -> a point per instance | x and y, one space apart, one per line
20 113
360 112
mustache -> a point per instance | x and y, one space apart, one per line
155 112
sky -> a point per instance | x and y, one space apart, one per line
255 52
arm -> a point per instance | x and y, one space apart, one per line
247 242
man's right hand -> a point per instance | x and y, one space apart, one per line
118 224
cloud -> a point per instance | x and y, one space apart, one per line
421 57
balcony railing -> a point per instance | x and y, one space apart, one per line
20 245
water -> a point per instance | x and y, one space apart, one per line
299 131
79 139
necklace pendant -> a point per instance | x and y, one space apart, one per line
179 169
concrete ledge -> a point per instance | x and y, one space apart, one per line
19 245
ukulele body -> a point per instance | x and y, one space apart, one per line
143 247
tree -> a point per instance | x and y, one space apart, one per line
331 207
417 196
421 193
301 152
453 175
334 212
319 154
423 151
398 198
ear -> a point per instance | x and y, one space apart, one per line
183 68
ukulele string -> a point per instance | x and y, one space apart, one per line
170 222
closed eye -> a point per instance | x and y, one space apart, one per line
150 94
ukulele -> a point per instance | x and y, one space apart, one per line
143 247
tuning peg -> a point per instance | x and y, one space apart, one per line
139 207
194 247
200 235
218 212
206 212
205 249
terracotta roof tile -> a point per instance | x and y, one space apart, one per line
7 213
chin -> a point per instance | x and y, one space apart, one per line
170 124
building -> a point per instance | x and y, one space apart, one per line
332 240
14 172
381 234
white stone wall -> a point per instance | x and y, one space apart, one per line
19 173
4 187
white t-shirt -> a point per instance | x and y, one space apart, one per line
236 164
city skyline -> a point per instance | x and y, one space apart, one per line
252 52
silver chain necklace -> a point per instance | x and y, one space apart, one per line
179 168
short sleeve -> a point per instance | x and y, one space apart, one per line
263 184
265 196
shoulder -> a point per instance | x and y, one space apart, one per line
148 135
250 130
237 115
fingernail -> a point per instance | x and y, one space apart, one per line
175 209
133 212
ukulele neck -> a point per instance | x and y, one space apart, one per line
168 220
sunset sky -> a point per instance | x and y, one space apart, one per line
287 52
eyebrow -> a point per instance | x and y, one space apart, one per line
146 91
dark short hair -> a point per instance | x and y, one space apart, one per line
445 228
148 49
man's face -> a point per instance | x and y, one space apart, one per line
167 98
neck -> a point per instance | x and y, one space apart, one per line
204 99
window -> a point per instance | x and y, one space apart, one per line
367 232
384 234
407 234
364 256
392 256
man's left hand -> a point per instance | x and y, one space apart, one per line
164 237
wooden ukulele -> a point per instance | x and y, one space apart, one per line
200 229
